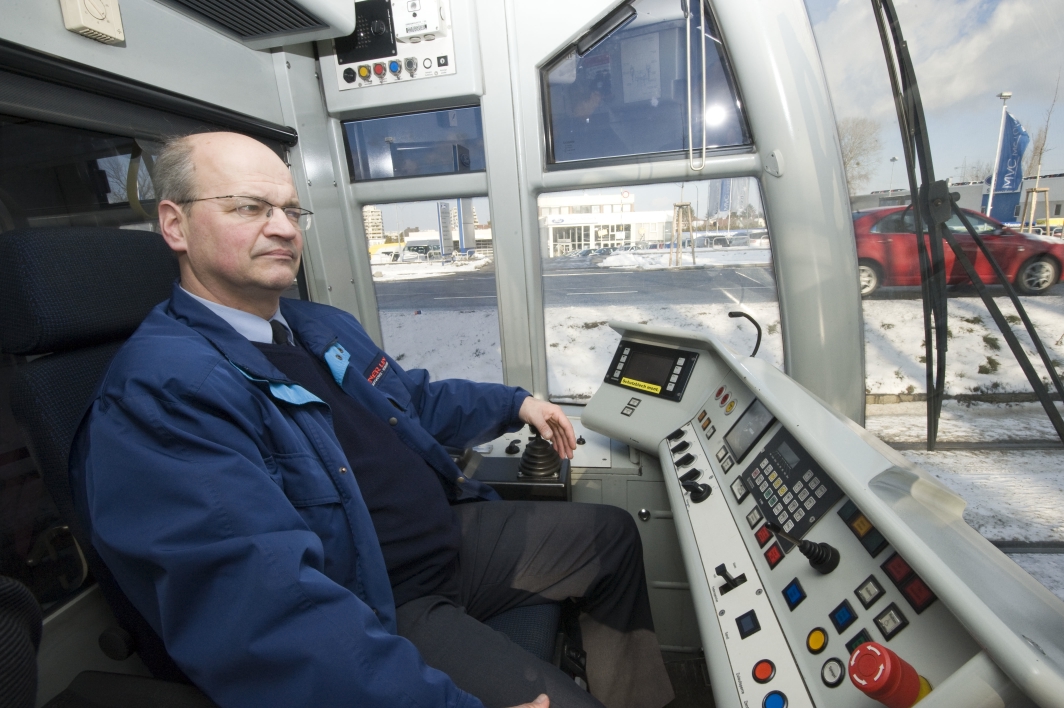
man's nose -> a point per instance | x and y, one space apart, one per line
278 224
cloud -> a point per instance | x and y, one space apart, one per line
964 53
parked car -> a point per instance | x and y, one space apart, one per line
887 255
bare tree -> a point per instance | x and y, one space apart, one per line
975 171
118 172
1038 145
859 138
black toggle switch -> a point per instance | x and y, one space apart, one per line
823 557
699 492
730 583
680 447
580 440
675 435
685 460
690 475
513 448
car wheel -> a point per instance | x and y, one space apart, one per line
1036 277
870 278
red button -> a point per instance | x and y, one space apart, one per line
918 594
897 568
764 670
882 675
774 555
724 398
378 69
763 536
719 391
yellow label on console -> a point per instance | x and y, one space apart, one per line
642 386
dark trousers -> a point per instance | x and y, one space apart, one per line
527 553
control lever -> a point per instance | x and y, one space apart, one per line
675 435
823 557
680 447
730 583
699 492
690 475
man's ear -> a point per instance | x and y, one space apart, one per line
172 225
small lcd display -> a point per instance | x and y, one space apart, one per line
748 430
649 368
788 455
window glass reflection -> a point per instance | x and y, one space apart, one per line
416 144
682 254
433 270
629 95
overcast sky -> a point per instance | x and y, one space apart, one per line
965 52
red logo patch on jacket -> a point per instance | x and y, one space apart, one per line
378 371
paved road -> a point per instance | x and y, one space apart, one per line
601 286
587 286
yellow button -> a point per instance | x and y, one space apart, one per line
816 641
861 525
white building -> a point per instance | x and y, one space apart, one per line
575 222
373 222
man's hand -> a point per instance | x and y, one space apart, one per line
541 700
552 425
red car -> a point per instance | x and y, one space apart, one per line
886 251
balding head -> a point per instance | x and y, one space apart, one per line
209 186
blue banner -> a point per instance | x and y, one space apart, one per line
725 196
1014 143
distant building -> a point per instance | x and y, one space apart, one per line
575 222
373 223
973 195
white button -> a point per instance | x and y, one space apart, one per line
680 361
670 387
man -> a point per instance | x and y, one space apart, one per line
271 492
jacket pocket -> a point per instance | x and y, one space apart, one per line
304 481
381 374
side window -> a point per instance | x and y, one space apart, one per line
433 268
900 222
981 225
683 254
640 91
416 144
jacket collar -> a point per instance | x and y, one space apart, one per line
233 346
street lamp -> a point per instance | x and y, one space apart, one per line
1004 96
890 188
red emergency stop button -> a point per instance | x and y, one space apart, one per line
764 670
882 675
378 69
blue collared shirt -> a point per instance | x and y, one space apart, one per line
252 327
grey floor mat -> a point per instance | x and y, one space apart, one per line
690 681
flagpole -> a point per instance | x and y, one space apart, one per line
1004 96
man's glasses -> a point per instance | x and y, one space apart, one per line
255 209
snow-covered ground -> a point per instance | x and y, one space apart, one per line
657 260
978 358
383 272
449 343
965 422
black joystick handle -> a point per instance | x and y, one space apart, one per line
513 448
699 492
823 557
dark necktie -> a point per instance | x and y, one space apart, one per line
280 332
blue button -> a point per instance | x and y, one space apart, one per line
775 699
393 66
793 594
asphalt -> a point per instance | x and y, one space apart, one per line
567 282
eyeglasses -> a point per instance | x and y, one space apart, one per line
255 209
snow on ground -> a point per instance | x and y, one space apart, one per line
449 343
978 358
1012 495
432 269
580 343
1046 568
968 422
656 260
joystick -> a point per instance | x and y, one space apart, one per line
699 492
540 459
823 557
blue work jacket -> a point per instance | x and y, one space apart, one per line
220 498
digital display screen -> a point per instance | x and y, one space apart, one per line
649 368
748 430
788 455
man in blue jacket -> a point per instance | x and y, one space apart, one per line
271 490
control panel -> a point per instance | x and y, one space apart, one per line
395 41
825 569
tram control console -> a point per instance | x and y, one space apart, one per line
826 570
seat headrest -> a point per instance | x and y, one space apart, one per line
63 288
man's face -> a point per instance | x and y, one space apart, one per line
233 256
